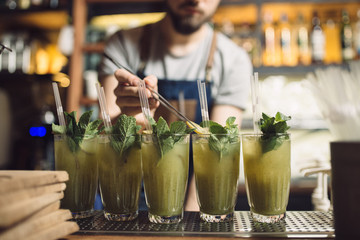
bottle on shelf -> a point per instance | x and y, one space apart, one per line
302 34
317 40
270 50
26 4
346 37
30 55
288 53
332 39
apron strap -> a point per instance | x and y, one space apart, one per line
145 44
210 60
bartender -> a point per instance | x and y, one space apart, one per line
171 55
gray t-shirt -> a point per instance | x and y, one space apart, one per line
230 73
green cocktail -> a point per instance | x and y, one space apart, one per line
119 178
82 167
267 175
216 168
165 174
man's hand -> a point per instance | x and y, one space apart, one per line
127 95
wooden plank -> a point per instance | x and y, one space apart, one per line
14 213
35 225
55 232
31 192
46 210
15 180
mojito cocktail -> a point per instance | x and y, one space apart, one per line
119 177
216 166
165 173
267 175
82 167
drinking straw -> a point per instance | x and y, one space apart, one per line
203 103
106 107
182 102
144 102
59 107
255 101
103 107
336 91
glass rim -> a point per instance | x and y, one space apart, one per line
168 134
216 134
85 135
108 134
261 134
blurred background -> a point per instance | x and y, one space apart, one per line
62 41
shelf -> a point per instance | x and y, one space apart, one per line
31 10
298 70
141 6
97 8
93 47
44 19
6 76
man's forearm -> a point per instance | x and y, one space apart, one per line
219 114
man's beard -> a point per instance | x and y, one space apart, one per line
187 24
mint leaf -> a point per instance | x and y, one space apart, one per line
58 129
162 127
125 135
177 127
217 129
230 122
93 127
279 117
166 136
166 143
221 137
75 131
271 127
73 144
84 121
163 136
270 143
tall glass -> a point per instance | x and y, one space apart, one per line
82 167
216 175
165 178
267 175
119 177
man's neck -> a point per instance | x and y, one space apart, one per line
178 44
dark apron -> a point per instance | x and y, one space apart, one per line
183 95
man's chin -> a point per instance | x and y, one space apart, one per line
187 28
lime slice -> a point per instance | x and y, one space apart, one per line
198 129
147 132
88 146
